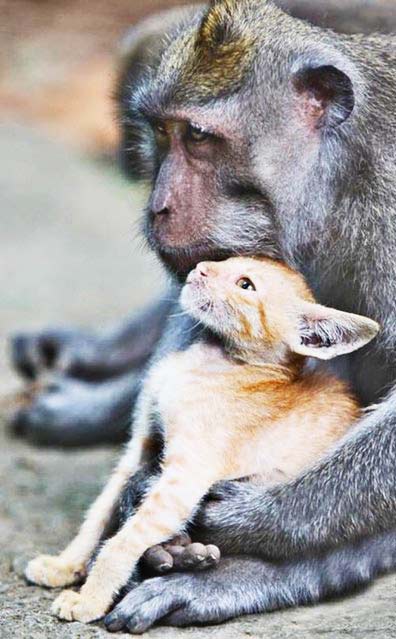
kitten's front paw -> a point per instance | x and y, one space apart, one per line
53 572
73 606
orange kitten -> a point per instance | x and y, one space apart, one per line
231 408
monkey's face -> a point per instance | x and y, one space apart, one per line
230 130
201 207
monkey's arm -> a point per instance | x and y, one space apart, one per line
350 495
243 585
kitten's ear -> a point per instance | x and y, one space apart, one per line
325 333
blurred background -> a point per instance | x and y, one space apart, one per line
69 254
70 250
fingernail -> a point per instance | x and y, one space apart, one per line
113 623
164 567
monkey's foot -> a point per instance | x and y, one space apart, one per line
53 572
73 606
75 413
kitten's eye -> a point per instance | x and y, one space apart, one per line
197 134
246 284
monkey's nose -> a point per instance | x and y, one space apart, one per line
161 211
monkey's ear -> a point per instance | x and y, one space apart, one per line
325 333
325 96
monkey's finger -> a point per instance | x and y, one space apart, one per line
196 557
183 539
212 558
190 557
158 559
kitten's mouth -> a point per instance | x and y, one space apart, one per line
195 298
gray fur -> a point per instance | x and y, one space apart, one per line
243 585
331 214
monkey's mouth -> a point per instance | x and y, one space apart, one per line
180 261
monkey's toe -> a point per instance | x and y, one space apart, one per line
158 559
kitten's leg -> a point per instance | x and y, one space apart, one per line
176 554
70 566
165 510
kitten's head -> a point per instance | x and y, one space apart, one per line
265 312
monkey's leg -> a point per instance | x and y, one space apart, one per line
71 565
75 413
243 585
89 356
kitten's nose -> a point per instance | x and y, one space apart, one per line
202 269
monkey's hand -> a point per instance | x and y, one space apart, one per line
235 587
180 554
74 352
231 518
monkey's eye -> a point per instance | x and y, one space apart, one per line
160 129
197 134
246 284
